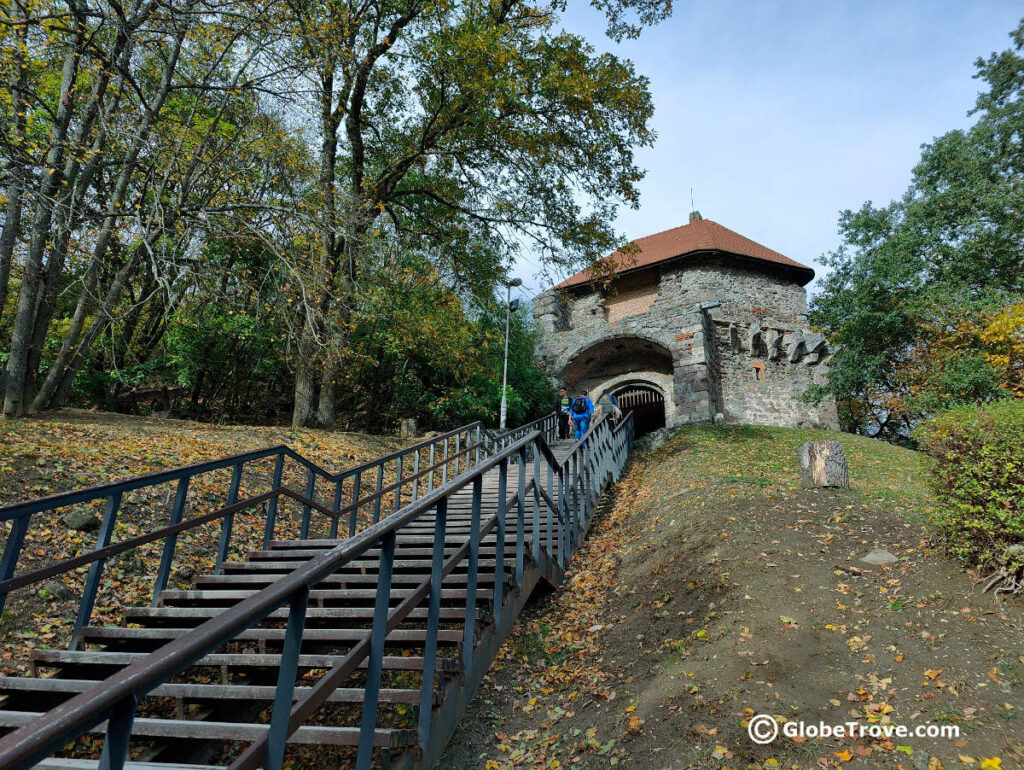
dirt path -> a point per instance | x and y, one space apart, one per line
714 589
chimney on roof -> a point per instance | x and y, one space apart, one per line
695 217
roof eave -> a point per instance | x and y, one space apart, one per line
802 274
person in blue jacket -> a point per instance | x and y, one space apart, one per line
582 410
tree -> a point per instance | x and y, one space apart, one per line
114 164
464 130
913 283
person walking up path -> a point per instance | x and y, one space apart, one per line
582 412
608 405
563 407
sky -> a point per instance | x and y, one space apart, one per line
780 114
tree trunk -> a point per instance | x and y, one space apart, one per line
12 223
28 298
325 413
15 167
305 395
53 391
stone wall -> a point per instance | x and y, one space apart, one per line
749 355
765 387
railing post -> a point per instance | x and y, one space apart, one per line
268 533
563 514
377 495
476 441
415 475
536 535
284 694
499 551
228 522
12 552
552 553
433 622
458 452
171 543
574 498
92 582
119 734
398 487
338 491
375 663
472 574
521 519
354 516
430 464
444 465
307 512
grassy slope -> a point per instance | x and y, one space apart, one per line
713 588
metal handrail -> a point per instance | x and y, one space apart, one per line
593 461
348 479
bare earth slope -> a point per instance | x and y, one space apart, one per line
713 588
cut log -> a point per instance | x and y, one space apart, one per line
823 464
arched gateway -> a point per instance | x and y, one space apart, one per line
699 317
647 405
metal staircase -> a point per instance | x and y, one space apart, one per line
368 646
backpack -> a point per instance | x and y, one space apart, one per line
579 406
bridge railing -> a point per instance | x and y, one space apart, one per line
560 499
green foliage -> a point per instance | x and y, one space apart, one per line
978 474
911 280
420 348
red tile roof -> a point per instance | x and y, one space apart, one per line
700 236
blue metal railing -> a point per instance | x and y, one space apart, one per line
559 497
395 478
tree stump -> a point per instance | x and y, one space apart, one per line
409 428
823 464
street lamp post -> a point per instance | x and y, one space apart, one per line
504 369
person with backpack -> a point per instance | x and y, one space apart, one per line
563 408
609 405
582 410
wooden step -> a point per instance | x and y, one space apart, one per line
151 615
228 596
413 552
239 580
93 764
257 660
400 636
284 567
234 731
24 684
342 594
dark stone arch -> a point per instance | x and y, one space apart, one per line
614 356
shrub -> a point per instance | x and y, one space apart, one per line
978 473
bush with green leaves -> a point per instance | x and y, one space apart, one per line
978 472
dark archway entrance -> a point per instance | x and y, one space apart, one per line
647 405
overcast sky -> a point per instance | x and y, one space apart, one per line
781 114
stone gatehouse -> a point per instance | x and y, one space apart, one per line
695 321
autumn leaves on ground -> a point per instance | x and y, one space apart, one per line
74 449
713 588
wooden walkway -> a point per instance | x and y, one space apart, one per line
216 712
